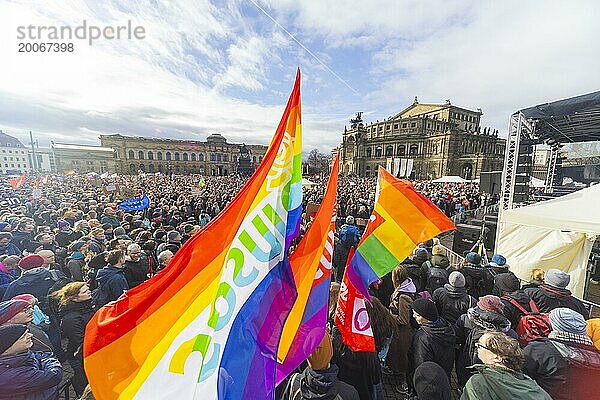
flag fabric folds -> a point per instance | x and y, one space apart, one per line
16 183
402 218
137 203
311 266
208 325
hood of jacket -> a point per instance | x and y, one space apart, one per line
563 292
440 260
35 274
441 332
499 383
407 286
107 273
319 384
488 320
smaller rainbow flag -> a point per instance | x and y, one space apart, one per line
70 172
402 218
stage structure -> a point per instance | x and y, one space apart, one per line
572 120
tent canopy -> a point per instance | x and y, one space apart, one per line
306 182
450 179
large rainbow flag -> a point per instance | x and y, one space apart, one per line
208 326
311 266
402 218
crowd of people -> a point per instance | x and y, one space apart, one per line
69 250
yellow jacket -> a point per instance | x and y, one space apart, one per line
593 331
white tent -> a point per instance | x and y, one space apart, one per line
557 233
450 179
307 183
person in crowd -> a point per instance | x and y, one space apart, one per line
110 218
76 261
593 331
496 266
514 299
136 268
382 325
164 258
320 379
7 247
349 238
567 364
434 340
18 311
473 273
403 330
536 278
38 281
435 270
65 234
334 292
452 299
553 293
24 231
81 228
76 310
500 376
416 265
486 316
5 278
97 242
11 263
431 382
49 259
39 318
111 279
25 374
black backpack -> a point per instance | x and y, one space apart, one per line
415 274
436 277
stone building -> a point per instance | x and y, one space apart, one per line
424 141
82 158
215 156
13 155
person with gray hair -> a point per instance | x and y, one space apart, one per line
164 258
567 364
553 293
136 267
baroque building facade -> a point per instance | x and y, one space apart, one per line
213 157
83 158
423 141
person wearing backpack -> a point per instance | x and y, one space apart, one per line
435 269
473 273
349 238
553 293
320 379
496 267
111 279
566 364
507 286
452 299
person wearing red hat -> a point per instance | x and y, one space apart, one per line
21 312
39 282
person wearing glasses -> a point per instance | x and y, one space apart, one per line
500 376
21 312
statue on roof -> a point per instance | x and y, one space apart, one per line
356 121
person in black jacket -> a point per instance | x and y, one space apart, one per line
566 364
319 380
473 273
507 286
25 374
136 267
452 300
76 310
552 294
111 279
431 382
434 340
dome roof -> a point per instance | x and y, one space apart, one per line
216 138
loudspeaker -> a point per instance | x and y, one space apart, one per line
490 182
465 237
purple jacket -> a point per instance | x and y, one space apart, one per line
30 376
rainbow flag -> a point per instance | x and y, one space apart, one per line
70 172
402 218
311 265
208 326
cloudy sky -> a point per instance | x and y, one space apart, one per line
228 66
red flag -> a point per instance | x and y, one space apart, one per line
44 180
16 183
352 318
36 185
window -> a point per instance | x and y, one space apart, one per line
395 126
260 159
168 156
186 157
219 157
225 157
404 125
193 156
141 155
369 152
159 155
254 159
213 157
151 168
413 124
414 149
401 150
378 151
131 155
389 151
176 156
234 158
201 156
150 155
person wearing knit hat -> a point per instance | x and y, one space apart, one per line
431 382
553 293
63 224
31 261
498 259
319 380
26 374
491 303
452 300
9 309
474 274
507 286
473 258
434 340
567 365
456 280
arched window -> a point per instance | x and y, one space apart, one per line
143 167
389 151
151 168
185 157
213 157
150 155
131 155
132 168
225 157
401 150
369 152
193 157
254 159
168 156
414 149
219 157
378 151
368 171
141 155
234 158
159 155
201 156
176 156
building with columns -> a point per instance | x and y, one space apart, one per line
423 141
213 157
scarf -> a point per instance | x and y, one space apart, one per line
571 337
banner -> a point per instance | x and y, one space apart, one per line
137 203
